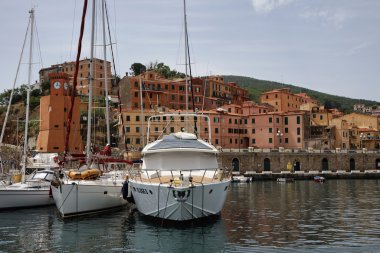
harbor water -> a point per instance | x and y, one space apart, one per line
263 216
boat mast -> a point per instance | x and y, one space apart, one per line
90 78
105 73
28 96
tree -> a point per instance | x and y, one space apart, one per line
137 68
164 70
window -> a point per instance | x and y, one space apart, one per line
298 131
253 120
270 140
136 94
127 129
229 121
286 130
299 140
277 120
286 120
216 130
314 115
137 129
270 130
270 119
216 141
172 129
128 118
253 131
253 141
137 118
137 140
298 120
321 117
286 140
128 141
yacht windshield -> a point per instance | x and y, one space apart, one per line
44 175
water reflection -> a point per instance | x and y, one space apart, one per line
341 215
304 214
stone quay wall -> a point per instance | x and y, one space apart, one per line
273 161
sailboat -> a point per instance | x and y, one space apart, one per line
180 179
34 190
97 185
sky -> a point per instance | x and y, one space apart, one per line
324 45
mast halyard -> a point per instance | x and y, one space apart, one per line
105 74
13 88
186 56
142 114
91 78
28 96
188 66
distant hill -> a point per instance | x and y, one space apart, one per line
256 87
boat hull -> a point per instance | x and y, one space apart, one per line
179 203
25 198
80 197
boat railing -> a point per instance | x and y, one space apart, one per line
182 178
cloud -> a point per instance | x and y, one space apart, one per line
356 49
265 6
335 17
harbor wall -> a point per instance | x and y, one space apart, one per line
273 161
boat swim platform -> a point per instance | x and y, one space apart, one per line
309 175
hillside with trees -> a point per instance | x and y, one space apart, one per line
256 87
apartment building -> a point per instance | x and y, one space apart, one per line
285 101
98 86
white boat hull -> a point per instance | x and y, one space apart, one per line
179 203
25 198
81 197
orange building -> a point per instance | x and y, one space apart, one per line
98 86
54 110
226 93
283 100
158 91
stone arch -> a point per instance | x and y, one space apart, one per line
297 164
352 164
235 164
325 164
266 164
